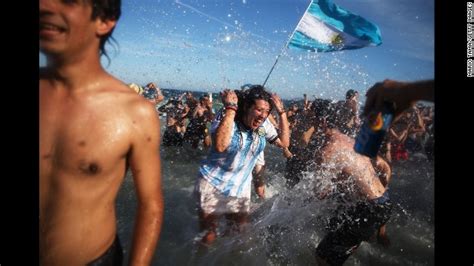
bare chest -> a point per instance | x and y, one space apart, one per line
79 140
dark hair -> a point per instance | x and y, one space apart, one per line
106 10
150 84
351 93
320 107
332 112
248 97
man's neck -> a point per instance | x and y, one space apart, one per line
73 73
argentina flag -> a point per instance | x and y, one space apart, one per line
325 27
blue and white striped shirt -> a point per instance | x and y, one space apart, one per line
231 171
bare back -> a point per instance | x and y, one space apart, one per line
339 156
86 138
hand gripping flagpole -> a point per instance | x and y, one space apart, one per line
286 45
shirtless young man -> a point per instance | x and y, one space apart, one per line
353 175
92 127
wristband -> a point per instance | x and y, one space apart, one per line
231 104
282 112
231 107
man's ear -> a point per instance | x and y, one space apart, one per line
104 26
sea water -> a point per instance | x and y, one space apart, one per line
285 228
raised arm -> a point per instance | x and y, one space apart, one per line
399 137
383 170
145 164
272 120
403 94
223 134
306 137
209 113
283 140
419 122
196 111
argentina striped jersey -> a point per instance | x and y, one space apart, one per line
231 171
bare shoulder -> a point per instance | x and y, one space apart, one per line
134 104
115 100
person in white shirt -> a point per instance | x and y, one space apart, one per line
239 133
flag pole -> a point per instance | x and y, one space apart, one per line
287 42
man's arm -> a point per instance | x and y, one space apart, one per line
307 103
196 111
159 96
403 94
287 153
185 112
283 140
383 170
420 123
223 134
258 180
209 112
306 137
272 120
145 164
399 137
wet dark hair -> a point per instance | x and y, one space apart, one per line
247 98
332 112
351 93
106 10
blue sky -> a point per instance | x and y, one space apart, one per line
208 45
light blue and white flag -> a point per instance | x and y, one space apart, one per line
325 27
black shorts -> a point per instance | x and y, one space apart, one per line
113 256
358 224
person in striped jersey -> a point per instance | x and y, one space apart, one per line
239 134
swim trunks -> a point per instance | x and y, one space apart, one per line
357 224
211 200
399 152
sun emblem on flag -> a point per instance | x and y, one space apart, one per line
261 131
337 40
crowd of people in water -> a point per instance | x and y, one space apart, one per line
321 140
188 120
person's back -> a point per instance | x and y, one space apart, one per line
92 127
366 205
338 156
